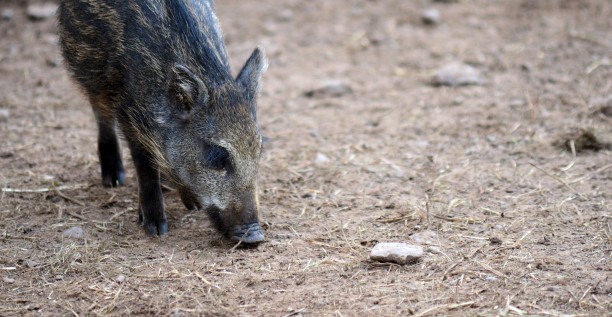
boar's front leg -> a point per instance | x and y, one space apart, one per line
151 201
113 174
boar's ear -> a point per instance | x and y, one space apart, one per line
251 73
185 90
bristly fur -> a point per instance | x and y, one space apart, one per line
159 68
189 28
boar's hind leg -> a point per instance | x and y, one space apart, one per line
113 174
151 201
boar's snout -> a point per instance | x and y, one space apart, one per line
248 233
239 223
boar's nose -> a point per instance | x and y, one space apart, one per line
247 233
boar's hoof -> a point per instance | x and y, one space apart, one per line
114 178
154 228
249 233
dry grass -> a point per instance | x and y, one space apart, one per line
512 223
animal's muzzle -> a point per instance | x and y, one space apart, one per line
247 233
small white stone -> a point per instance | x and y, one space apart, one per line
431 16
74 233
8 280
8 14
330 88
321 159
457 74
41 11
401 253
425 237
4 114
120 278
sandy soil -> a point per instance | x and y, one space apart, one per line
484 177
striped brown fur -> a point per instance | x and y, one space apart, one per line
158 69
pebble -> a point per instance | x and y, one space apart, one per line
41 11
434 250
495 240
491 278
8 14
424 237
120 278
400 253
422 143
8 280
604 104
31 264
4 114
74 233
285 15
431 16
321 159
330 88
456 74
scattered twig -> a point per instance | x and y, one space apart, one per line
240 241
448 270
492 270
116 215
44 189
447 306
295 312
466 220
588 176
473 253
596 64
558 179
397 219
512 308
76 215
205 280
585 38
59 193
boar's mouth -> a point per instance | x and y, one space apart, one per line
249 233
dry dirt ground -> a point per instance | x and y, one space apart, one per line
514 221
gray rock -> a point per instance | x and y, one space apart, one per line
74 233
431 16
31 264
401 253
321 159
8 14
329 88
604 104
120 278
41 11
425 237
8 280
284 15
457 74
4 114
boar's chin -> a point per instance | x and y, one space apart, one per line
214 213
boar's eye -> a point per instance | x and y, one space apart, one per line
217 157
